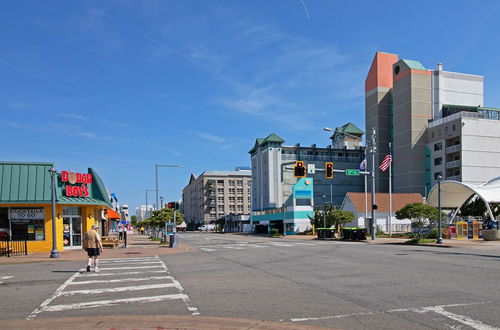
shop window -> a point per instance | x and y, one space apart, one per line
27 223
4 222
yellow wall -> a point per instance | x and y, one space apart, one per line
88 219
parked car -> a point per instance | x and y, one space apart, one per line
207 228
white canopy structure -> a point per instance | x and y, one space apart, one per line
454 194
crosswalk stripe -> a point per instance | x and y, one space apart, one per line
132 267
113 302
207 249
118 274
128 259
121 289
120 280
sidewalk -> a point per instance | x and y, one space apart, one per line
151 322
138 245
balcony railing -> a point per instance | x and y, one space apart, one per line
457 115
322 158
453 164
452 149
454 177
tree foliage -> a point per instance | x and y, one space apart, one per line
420 216
159 218
332 218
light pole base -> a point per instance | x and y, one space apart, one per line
439 240
54 254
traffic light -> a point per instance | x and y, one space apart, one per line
173 205
299 170
329 170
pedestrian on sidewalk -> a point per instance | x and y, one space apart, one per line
93 245
120 233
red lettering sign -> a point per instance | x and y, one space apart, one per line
73 178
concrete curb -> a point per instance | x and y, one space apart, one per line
150 322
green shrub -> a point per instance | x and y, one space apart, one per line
275 232
433 233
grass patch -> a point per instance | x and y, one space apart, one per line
420 241
155 239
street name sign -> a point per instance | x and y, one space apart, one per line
351 172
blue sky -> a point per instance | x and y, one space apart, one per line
122 85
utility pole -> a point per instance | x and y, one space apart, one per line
373 151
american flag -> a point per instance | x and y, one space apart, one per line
385 163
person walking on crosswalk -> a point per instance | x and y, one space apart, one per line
93 245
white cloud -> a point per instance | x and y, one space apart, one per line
18 105
211 137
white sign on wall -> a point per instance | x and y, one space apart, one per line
27 214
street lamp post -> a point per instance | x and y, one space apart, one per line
156 177
54 253
147 190
440 237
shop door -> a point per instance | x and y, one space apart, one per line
72 231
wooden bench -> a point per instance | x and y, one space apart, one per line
110 242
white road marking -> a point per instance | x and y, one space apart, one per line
113 302
120 289
132 267
232 247
44 304
128 259
207 249
129 262
118 274
185 298
280 244
438 309
3 278
309 244
120 280
476 324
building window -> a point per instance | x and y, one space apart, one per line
232 191
437 175
240 200
220 181
240 208
438 146
231 183
27 223
220 200
239 182
446 130
454 127
438 161
220 208
232 199
432 134
232 208
220 191
239 191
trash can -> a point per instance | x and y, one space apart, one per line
346 233
172 240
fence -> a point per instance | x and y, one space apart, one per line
13 248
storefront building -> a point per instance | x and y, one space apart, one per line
26 211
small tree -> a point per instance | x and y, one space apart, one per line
317 219
420 216
338 218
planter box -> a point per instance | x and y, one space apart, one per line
491 235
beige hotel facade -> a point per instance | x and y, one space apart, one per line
215 194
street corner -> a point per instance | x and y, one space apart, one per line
151 322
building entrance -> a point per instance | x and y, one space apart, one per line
72 227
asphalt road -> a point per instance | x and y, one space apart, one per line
319 283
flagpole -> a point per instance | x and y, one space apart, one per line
390 192
366 190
